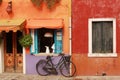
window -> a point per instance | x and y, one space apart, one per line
102 37
46 41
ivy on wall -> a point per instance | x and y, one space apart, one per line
50 3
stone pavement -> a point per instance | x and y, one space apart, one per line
18 76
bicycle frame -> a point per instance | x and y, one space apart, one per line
61 61
47 66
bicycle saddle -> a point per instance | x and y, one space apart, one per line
61 54
48 57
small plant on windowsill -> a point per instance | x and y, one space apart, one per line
26 41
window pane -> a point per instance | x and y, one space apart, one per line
107 37
45 38
102 37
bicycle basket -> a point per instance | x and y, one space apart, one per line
67 58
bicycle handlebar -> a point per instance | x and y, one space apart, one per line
61 54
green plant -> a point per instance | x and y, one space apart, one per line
50 3
26 40
37 2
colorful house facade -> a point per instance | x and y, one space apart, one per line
95 36
49 29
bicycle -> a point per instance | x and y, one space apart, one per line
66 67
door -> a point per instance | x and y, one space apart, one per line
13 52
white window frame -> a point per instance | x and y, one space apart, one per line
90 54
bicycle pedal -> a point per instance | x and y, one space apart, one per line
54 72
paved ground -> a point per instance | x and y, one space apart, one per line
17 76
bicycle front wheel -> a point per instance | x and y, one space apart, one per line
40 68
68 69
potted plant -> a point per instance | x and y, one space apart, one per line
26 41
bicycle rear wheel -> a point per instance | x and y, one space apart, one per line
68 69
40 68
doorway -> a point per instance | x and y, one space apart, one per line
13 54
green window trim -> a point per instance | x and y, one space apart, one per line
34 47
57 41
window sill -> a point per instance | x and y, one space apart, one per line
102 55
46 54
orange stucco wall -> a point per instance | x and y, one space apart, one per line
26 10
87 66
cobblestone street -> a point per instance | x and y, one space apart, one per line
18 76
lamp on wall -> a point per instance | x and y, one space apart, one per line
9 7
48 34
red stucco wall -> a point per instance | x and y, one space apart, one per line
82 10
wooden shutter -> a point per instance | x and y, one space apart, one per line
107 37
102 37
96 37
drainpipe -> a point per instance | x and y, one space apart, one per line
70 32
70 26
70 41
24 61
70 36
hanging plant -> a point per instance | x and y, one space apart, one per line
50 3
37 2
0 1
26 40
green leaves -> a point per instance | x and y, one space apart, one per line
37 2
26 40
50 3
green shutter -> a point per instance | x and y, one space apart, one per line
58 41
34 46
36 41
